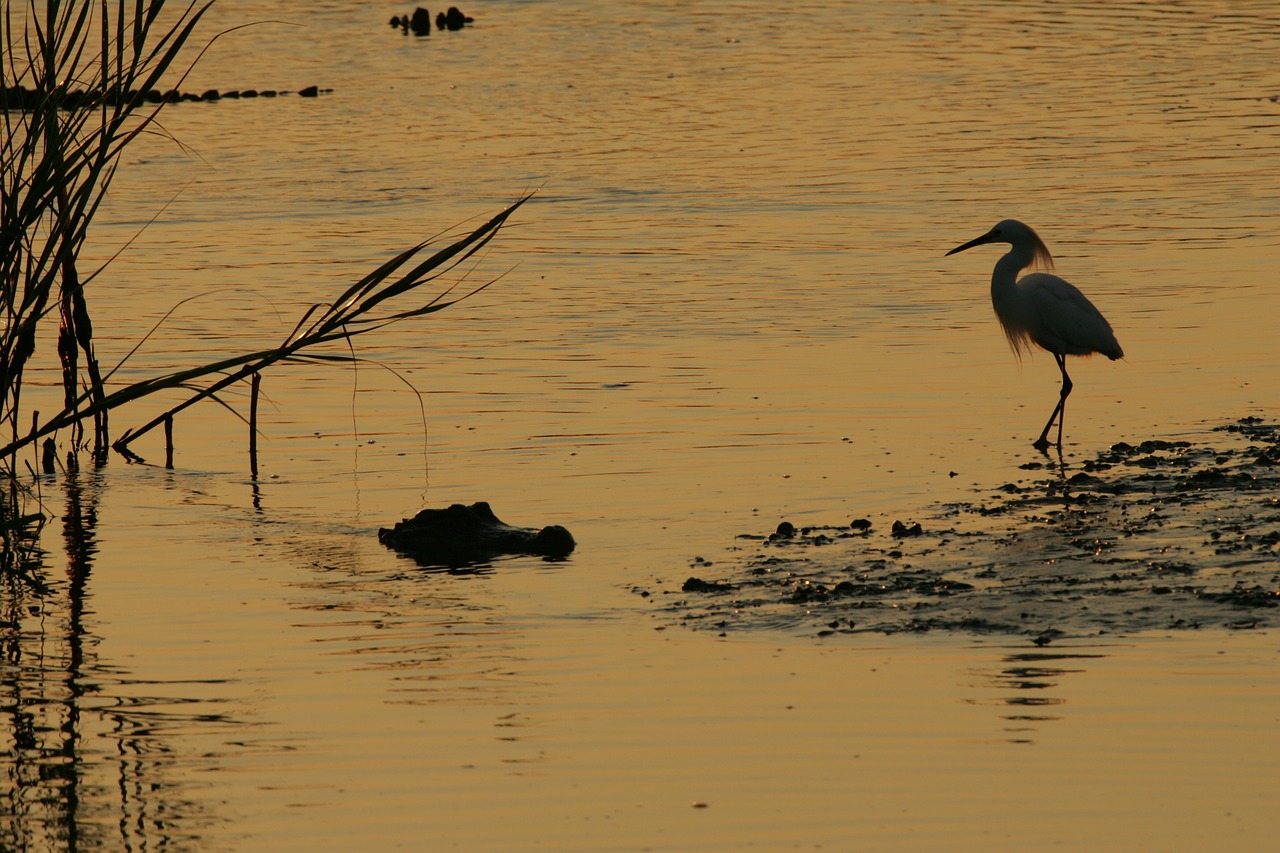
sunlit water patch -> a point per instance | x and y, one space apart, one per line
727 305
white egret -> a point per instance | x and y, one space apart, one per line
1043 309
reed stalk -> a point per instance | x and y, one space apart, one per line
73 84
72 87
72 79
364 307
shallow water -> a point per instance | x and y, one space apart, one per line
726 305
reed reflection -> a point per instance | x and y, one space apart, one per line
88 762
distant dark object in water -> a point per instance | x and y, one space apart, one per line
22 99
420 22
462 535
453 19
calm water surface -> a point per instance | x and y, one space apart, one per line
726 305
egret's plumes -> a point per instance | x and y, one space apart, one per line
1042 309
1040 257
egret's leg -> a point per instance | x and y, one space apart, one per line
1058 415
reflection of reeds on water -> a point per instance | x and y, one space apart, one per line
86 759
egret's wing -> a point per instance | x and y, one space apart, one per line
1064 320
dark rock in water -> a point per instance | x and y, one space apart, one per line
900 529
420 23
462 535
699 585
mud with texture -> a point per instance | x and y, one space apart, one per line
1164 535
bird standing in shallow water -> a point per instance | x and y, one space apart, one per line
1043 309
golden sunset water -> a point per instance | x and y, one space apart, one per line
726 305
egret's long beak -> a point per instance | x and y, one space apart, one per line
977 241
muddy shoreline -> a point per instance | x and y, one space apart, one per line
1159 536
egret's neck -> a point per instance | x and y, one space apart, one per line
1005 275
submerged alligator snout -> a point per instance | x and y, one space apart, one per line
461 535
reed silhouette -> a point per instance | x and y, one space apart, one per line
72 97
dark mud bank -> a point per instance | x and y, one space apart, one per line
1165 535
